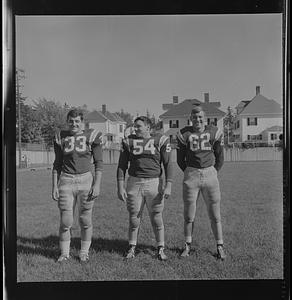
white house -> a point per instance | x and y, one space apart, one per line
110 124
178 114
259 119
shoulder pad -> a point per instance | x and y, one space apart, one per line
186 129
132 136
64 133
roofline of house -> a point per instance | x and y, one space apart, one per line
256 114
187 115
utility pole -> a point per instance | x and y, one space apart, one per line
19 75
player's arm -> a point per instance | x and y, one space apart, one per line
218 150
219 155
98 166
165 153
57 167
181 152
121 171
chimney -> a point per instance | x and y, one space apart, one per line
206 97
175 99
258 90
103 108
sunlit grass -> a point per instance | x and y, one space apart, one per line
252 216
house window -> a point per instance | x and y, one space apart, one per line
236 124
252 137
110 138
273 136
260 137
212 121
121 128
252 121
173 124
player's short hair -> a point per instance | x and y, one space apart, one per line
144 119
74 113
196 109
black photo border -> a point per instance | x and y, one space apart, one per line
184 289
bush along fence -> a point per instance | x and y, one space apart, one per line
42 157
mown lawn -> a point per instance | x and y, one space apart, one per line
252 217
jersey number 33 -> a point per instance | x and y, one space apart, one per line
75 143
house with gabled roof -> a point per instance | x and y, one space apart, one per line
110 124
259 119
177 115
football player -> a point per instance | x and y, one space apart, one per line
146 154
73 183
200 157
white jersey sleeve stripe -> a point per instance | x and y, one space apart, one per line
58 138
218 135
181 138
93 135
162 140
125 144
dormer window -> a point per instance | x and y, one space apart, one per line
173 124
212 121
252 121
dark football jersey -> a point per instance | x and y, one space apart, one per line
198 146
74 152
145 156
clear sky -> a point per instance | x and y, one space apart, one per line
140 62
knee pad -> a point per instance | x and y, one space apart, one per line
65 225
85 221
156 218
66 219
134 221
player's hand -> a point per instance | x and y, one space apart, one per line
167 191
93 193
55 194
122 194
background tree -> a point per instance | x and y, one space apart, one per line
228 125
127 117
51 116
83 108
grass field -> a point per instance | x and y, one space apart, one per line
252 217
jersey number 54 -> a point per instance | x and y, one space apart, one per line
140 148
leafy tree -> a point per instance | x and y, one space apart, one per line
51 117
228 124
30 129
83 108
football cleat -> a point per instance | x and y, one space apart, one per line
131 252
187 250
63 258
220 252
161 255
83 258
